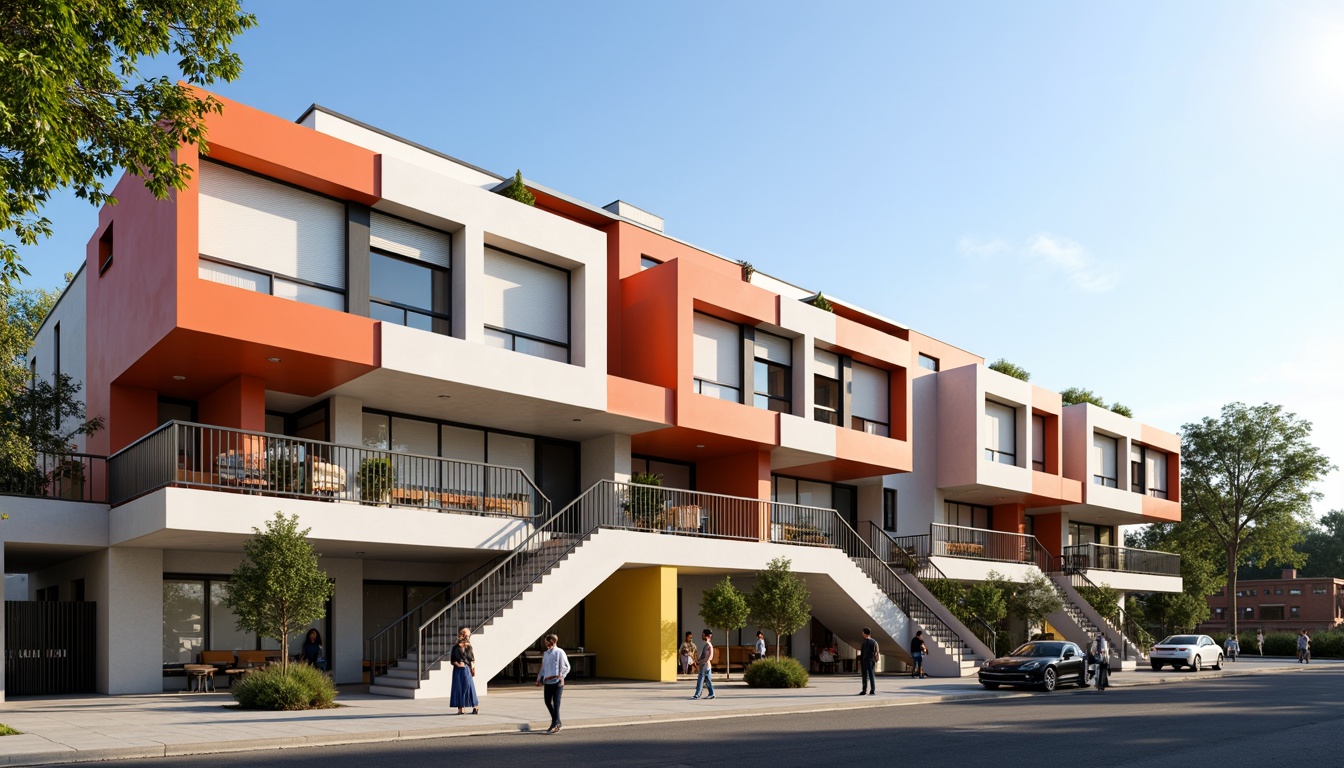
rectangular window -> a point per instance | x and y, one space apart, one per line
718 358
271 228
826 387
1104 457
772 375
1247 612
1271 613
402 292
968 515
1294 591
1294 612
274 285
1000 435
889 509
1038 443
1219 613
648 262
526 306
1155 472
1318 590
928 363
105 250
870 400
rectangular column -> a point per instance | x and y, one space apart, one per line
631 624
130 620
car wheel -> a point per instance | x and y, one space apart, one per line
1197 664
1157 665
990 686
1050 679
1219 664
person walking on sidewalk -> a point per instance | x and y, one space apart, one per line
551 676
868 663
1260 640
1231 648
917 651
706 662
759 651
1304 648
1101 651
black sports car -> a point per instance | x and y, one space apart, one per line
1046 663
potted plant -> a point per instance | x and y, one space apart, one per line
747 270
376 476
820 302
645 504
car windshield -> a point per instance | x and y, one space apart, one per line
1180 640
1039 649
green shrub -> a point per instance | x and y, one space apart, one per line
272 688
1324 645
5 730
785 672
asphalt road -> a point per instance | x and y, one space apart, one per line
1272 719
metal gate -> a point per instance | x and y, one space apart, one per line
50 647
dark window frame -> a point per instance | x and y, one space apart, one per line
785 399
929 362
272 277
569 310
441 293
889 502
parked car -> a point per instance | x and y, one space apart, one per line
1194 651
1044 663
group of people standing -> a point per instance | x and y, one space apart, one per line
551 676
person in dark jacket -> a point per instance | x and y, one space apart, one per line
313 653
917 651
868 663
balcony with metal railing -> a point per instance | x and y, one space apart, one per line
1102 557
187 455
68 476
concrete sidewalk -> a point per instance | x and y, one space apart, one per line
84 728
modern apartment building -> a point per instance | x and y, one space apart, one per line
452 390
1285 604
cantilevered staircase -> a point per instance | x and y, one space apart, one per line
542 571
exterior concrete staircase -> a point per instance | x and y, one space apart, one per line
1125 653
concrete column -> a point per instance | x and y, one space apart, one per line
631 624
468 270
347 614
130 620
604 458
347 420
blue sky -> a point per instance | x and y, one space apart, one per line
1140 198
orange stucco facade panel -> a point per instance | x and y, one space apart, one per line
1053 489
626 397
1157 510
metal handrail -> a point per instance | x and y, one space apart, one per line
606 504
986 544
986 632
882 548
1128 630
192 455
67 475
382 648
1107 557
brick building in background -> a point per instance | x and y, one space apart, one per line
1285 604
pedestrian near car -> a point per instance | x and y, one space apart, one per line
759 651
551 676
1260 641
1231 648
868 664
704 680
686 654
917 651
463 659
1100 650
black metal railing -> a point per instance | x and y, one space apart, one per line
1127 559
1159 493
398 638
985 544
191 455
1109 482
1130 632
877 557
67 475
607 504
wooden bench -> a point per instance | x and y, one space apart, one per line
964 549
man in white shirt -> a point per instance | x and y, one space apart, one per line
1101 652
554 668
760 646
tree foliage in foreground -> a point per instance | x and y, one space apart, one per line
779 600
75 107
1010 369
278 588
1247 483
724 606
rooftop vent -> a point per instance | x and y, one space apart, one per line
637 215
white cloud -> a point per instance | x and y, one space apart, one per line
1052 253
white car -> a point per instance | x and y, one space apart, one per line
1194 651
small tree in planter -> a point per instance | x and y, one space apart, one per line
517 190
725 606
779 600
376 476
747 270
821 302
1034 599
645 504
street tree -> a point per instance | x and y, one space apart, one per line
1247 481
724 605
1033 599
75 106
1010 369
779 600
1202 574
278 588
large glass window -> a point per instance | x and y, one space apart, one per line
1104 456
870 400
675 474
1084 533
275 285
826 387
1038 443
526 306
717 358
1000 433
192 624
401 291
889 509
772 375
967 515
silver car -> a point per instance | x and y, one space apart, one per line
1194 651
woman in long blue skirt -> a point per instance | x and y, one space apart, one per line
463 659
